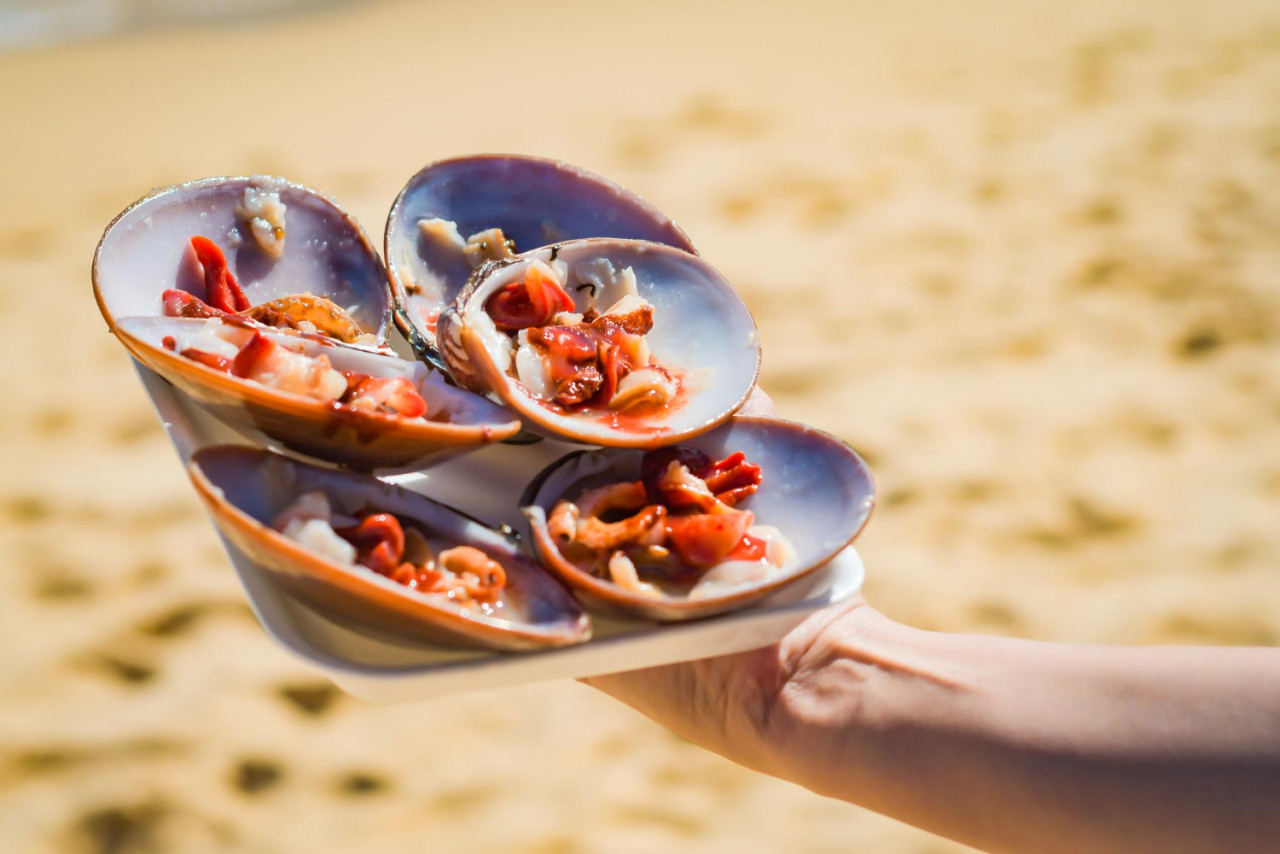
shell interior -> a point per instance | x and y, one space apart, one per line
536 202
816 490
260 485
702 331
147 250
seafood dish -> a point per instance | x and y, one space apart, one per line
702 527
455 214
604 341
242 351
674 530
305 313
290 347
384 544
539 301
316 397
383 558
297 260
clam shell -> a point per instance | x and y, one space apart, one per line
702 330
243 489
146 250
535 201
342 435
815 489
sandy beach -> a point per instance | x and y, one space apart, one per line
1022 256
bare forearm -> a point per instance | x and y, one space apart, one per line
1023 746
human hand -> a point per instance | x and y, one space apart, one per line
732 704
743 705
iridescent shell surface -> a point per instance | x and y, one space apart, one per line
535 201
147 250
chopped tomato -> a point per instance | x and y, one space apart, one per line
750 548
705 539
396 395
532 302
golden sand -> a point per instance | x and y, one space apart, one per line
1023 256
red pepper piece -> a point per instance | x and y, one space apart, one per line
533 302
222 291
653 468
732 479
209 360
379 542
706 539
406 574
182 304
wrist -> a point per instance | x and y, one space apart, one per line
850 685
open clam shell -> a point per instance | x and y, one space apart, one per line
702 332
456 420
535 201
147 250
816 490
244 489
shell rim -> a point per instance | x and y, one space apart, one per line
575 630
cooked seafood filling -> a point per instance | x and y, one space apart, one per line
263 212
243 352
305 313
488 245
379 542
590 360
675 531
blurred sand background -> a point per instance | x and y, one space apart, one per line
1023 255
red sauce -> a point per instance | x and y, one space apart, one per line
634 420
367 425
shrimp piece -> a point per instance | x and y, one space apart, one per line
645 528
623 572
480 576
614 496
562 524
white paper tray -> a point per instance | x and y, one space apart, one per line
487 484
